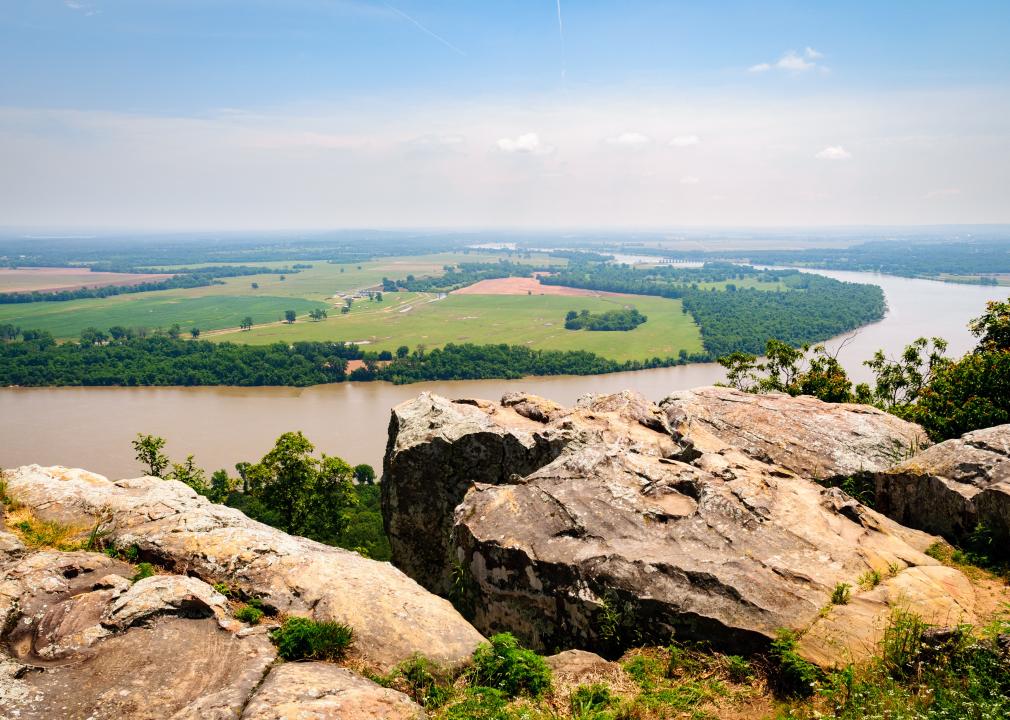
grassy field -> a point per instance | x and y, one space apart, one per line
537 321
151 310
225 305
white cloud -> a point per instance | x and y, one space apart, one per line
792 62
528 143
685 141
833 152
690 180
83 7
629 139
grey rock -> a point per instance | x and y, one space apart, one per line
164 595
951 487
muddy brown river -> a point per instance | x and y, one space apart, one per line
93 427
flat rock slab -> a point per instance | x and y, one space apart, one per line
391 615
635 531
954 485
319 691
813 439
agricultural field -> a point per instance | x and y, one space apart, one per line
68 278
226 305
534 320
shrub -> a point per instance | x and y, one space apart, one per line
249 614
503 665
300 638
869 579
144 570
427 683
793 675
841 594
901 644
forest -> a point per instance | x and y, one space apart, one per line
627 319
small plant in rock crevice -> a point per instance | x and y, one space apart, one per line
301 638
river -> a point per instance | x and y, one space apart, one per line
93 427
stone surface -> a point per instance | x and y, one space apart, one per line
576 662
391 615
951 487
638 525
811 438
319 691
164 595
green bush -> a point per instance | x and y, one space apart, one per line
793 675
300 638
427 684
144 570
249 614
479 703
503 665
841 594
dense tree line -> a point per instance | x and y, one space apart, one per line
627 319
813 308
161 360
190 278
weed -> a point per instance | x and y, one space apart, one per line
249 614
901 643
300 638
502 664
841 594
794 676
588 700
737 669
426 683
479 703
225 589
869 579
37 533
144 570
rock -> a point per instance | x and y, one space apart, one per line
617 541
576 662
10 546
951 487
813 439
392 617
320 691
165 595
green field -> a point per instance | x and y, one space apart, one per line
536 321
150 310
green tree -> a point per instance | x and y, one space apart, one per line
402 351
195 332
175 331
364 474
148 449
900 381
247 323
189 474
289 316
992 328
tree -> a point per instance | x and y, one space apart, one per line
220 486
378 297
247 323
9 332
289 316
189 474
283 278
93 336
992 328
255 285
175 331
364 474
402 351
899 382
148 453
195 332
317 314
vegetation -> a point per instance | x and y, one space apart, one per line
503 665
301 638
144 570
627 319
249 614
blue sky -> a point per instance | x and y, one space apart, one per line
312 113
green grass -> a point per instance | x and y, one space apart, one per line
300 638
151 310
536 321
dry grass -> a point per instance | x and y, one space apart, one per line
39 534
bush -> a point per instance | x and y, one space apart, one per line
841 594
479 703
427 683
249 614
144 570
304 639
589 699
794 676
502 664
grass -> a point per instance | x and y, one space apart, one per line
301 638
39 534
151 310
536 321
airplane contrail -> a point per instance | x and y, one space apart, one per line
426 31
561 34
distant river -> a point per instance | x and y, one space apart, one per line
92 427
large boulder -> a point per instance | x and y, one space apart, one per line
641 527
391 615
953 486
813 439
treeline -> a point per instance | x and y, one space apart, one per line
191 278
817 308
455 277
38 361
34 359
611 320
812 309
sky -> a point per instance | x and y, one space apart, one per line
317 114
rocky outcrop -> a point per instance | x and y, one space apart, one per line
640 523
953 486
812 439
168 523
318 691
